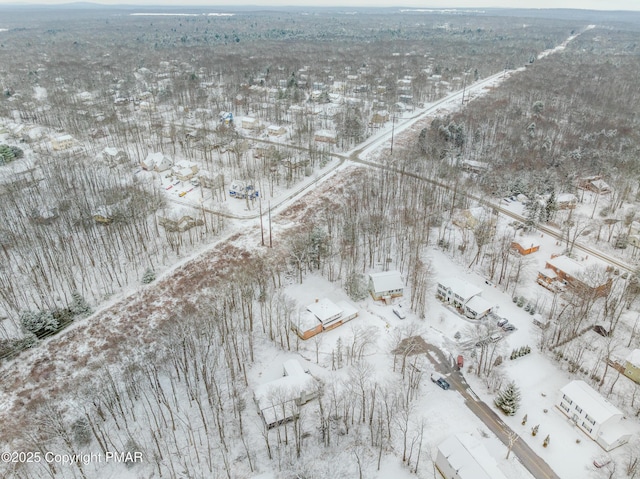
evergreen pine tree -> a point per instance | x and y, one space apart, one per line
355 286
149 276
508 399
550 207
79 306
532 214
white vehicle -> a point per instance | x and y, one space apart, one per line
399 312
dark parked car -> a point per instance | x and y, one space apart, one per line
502 322
508 327
440 381
600 330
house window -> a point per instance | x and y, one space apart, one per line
564 396
590 419
584 425
564 406
579 409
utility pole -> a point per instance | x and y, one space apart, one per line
464 85
261 225
270 238
393 127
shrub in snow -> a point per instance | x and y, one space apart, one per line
11 346
79 306
25 342
81 432
149 276
546 441
508 399
534 429
524 420
39 323
521 351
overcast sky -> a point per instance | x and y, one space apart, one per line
582 4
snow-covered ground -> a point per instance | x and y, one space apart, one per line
445 413
537 375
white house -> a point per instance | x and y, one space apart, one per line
63 142
275 130
464 296
463 457
249 123
113 156
279 401
185 170
386 285
156 162
593 414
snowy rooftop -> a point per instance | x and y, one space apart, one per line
460 287
469 458
348 309
277 399
591 401
111 151
386 281
307 321
566 198
567 265
634 357
292 367
185 164
154 158
325 310
527 242
326 133
478 304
